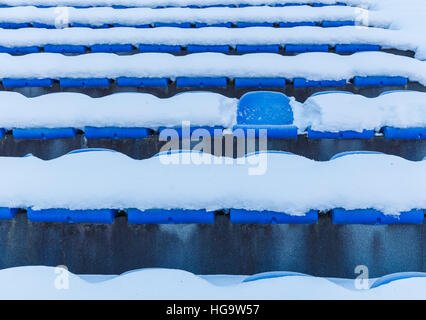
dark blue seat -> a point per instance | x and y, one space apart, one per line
21 83
20 50
7 213
259 82
379 81
201 82
72 216
268 217
404 133
64 48
220 25
365 134
84 83
115 133
193 48
139 26
375 217
44 133
333 24
297 24
296 48
160 48
266 110
351 48
213 131
172 24
142 82
304 83
254 24
175 216
244 48
111 48
14 25
91 26
2 133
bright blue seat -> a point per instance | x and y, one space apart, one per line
159 48
244 48
306 48
64 48
268 217
43 25
259 82
72 216
111 48
142 82
84 83
333 24
220 25
20 50
172 24
115 133
91 26
378 81
351 48
304 83
201 82
266 110
404 134
44 133
213 131
193 48
328 4
175 216
7 213
21 83
297 24
349 134
253 24
139 26
13 25
2 133
375 217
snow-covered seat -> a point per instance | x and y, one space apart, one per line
175 216
238 216
375 217
72 216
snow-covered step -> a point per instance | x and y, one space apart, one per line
328 16
209 69
183 41
111 181
119 4
333 115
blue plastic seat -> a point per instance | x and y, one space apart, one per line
260 82
269 217
160 48
304 83
351 48
175 216
43 25
21 83
72 216
254 24
201 82
172 24
20 50
14 25
244 48
378 81
7 213
84 83
333 24
213 131
139 26
365 134
111 48
306 48
64 48
395 277
2 133
91 26
266 110
219 25
115 133
375 217
297 24
44 133
192 48
404 134
142 82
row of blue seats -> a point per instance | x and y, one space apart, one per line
279 132
191 48
237 216
226 24
199 6
204 82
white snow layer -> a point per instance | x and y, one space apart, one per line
326 112
38 282
267 181
312 66
118 110
171 3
